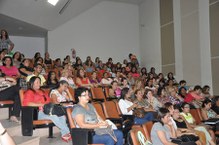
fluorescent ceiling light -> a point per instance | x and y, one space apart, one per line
53 2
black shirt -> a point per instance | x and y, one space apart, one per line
215 108
180 124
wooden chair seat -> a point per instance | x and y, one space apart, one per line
7 102
42 122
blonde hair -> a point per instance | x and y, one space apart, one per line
64 71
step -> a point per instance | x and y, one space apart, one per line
26 140
13 128
53 141
44 132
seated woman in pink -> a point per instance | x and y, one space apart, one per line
8 69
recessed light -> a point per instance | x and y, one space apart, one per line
53 2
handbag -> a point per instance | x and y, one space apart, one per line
185 138
189 137
139 112
54 109
106 130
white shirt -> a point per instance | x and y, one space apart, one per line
106 81
174 123
69 80
124 105
60 97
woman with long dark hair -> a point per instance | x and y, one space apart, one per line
61 93
5 42
37 97
52 81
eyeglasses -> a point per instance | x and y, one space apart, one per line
85 95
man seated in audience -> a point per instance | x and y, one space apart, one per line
37 70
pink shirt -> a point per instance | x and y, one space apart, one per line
12 71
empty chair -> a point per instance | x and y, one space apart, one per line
99 109
97 94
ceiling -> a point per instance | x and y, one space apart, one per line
36 17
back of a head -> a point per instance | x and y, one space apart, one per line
197 87
167 105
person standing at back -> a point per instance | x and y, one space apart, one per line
5 42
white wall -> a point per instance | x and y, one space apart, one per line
28 45
150 42
109 29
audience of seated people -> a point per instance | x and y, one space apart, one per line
136 80
187 116
127 107
163 131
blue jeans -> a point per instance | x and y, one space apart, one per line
60 122
107 139
148 117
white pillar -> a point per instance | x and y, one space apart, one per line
177 40
205 50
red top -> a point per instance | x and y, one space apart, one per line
36 97
189 98
135 75
83 81
192 96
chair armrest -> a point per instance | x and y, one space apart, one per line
27 121
82 136
96 99
128 117
111 98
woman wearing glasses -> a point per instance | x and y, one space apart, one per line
86 116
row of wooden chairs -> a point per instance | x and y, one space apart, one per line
97 94
30 122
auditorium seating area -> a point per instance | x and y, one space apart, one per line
101 96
